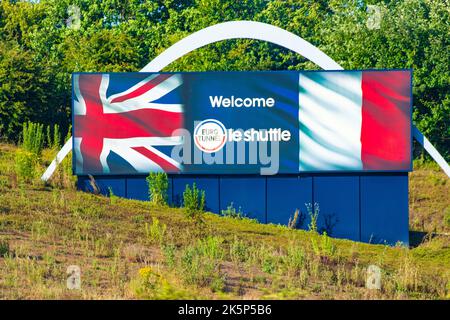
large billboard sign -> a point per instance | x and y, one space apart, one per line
285 122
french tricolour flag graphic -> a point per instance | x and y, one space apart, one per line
358 120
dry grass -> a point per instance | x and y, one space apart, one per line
132 250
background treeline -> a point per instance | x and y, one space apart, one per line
38 51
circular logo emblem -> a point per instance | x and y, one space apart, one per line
210 135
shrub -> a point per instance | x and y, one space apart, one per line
231 212
324 248
33 137
25 165
158 184
194 201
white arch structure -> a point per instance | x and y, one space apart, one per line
246 30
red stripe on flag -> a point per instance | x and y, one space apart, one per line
143 89
91 146
386 120
131 124
164 164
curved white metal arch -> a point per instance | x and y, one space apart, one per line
246 30
242 30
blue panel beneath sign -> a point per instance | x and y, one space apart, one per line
285 195
104 184
137 188
248 193
368 207
338 199
209 184
384 209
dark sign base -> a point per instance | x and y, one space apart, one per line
365 207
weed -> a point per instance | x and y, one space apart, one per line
231 212
407 276
313 215
53 141
263 255
158 184
293 221
151 284
294 260
112 197
33 137
217 284
324 248
169 252
194 202
4 248
447 217
25 165
211 247
238 251
200 263
155 232
196 269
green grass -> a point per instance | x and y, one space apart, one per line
132 249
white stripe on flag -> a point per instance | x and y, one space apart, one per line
330 121
145 100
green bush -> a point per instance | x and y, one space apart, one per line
54 140
25 165
158 184
33 137
193 201
324 248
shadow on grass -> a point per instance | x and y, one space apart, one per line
416 238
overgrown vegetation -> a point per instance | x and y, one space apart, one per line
126 249
231 212
194 202
38 146
158 184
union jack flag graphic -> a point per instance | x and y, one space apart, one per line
122 127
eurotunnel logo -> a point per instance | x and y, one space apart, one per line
210 135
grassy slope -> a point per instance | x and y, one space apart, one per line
45 229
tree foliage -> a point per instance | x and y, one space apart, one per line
39 50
